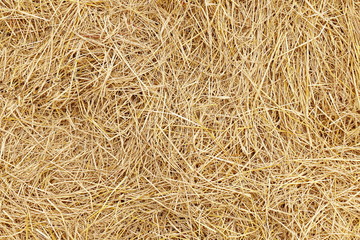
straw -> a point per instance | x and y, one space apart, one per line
165 119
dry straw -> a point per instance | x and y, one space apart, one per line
197 119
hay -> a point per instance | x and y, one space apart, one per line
211 119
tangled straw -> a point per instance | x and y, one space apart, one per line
216 119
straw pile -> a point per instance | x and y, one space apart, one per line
173 119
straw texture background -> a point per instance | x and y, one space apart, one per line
197 119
